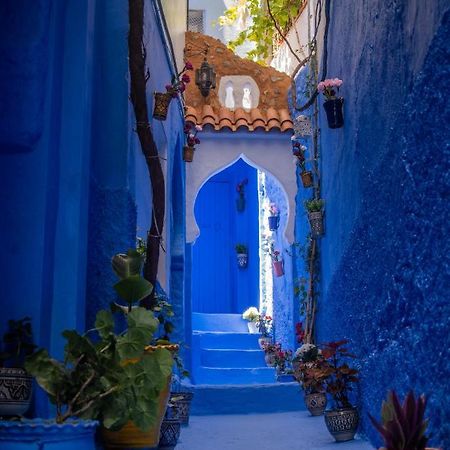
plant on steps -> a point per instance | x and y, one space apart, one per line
403 426
251 316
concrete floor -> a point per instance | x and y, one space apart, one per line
280 431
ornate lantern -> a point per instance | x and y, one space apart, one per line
205 78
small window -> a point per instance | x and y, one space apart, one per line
196 20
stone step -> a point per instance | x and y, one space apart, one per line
233 375
226 340
232 358
245 399
219 322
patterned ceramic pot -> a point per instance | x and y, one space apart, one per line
316 403
307 179
15 391
188 153
316 223
184 400
342 423
162 103
333 109
242 260
46 435
170 433
263 341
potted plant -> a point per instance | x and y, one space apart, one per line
333 105
251 316
171 425
183 400
274 218
16 383
307 364
242 255
191 141
240 189
177 86
315 215
341 421
277 262
403 426
269 353
264 325
283 359
305 175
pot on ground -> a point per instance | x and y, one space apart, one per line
316 223
278 270
263 340
188 153
46 435
333 109
269 358
252 328
274 223
15 391
316 403
307 178
170 428
342 423
162 103
242 260
184 400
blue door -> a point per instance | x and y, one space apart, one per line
211 274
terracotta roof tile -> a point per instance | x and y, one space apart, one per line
255 119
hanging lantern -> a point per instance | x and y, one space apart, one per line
205 78
302 126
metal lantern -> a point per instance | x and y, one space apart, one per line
205 78
302 126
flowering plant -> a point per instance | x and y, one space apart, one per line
299 152
282 359
273 209
179 82
264 324
241 186
329 87
251 314
299 332
191 134
268 347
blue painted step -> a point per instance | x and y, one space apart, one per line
219 322
234 375
232 358
224 340
245 399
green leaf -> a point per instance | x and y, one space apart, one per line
127 265
142 318
145 412
77 346
104 323
131 345
133 288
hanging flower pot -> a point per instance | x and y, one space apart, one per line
274 223
316 223
278 269
188 153
162 103
242 259
240 204
240 189
307 179
333 109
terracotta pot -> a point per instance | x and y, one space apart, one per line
188 153
274 223
316 223
342 423
162 103
333 109
278 270
15 391
316 403
307 178
264 340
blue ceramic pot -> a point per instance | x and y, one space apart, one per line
47 435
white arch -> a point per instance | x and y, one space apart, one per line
217 151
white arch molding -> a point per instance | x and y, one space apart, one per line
269 152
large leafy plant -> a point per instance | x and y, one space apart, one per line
104 375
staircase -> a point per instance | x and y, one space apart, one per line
229 372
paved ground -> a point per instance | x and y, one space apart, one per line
280 431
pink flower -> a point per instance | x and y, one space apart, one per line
198 127
188 65
168 87
321 86
185 78
182 87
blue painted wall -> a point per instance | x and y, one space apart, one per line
75 187
218 285
385 180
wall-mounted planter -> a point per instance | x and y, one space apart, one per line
335 116
46 435
240 204
242 260
188 153
16 388
162 103
316 223
278 269
274 223
307 178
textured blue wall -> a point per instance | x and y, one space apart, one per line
385 180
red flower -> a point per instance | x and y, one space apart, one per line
185 78
188 65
